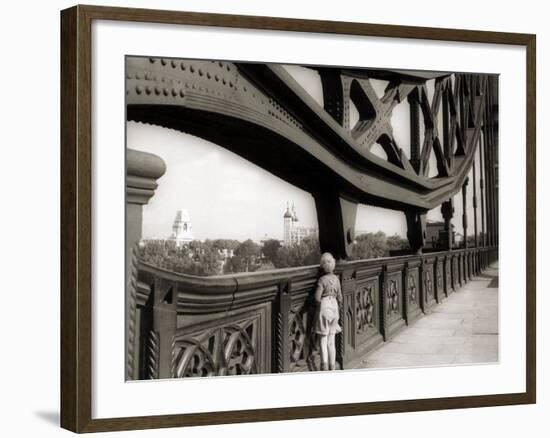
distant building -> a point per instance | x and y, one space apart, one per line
266 238
293 232
181 230
226 253
436 236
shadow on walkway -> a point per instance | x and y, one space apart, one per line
494 280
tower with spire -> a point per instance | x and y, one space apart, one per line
294 215
287 224
294 233
181 229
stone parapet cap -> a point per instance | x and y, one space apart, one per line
142 171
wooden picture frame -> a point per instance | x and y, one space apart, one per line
76 217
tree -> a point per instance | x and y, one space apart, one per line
248 251
270 248
229 244
369 246
396 242
233 265
305 253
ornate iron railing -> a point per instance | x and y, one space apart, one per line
261 322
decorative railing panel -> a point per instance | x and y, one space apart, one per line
262 322
413 288
429 283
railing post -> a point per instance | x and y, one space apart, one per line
160 344
422 286
142 171
344 338
383 303
447 274
439 287
406 287
281 332
458 276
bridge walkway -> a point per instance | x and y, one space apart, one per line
462 329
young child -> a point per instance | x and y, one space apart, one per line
327 295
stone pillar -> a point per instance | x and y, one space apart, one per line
416 230
447 211
336 217
142 171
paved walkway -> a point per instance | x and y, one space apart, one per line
462 329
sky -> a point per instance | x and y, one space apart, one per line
228 197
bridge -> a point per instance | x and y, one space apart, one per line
185 326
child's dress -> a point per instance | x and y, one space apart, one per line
326 317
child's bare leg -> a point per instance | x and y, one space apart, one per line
324 351
331 351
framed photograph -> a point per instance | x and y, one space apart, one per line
268 218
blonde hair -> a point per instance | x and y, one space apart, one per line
327 260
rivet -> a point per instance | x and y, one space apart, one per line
182 93
163 61
192 68
139 89
200 72
152 60
208 75
148 90
165 91
173 64
183 66
174 92
157 91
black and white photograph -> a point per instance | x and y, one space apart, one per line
285 218
274 219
